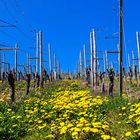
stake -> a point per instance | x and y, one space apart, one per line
85 65
133 59
138 45
27 63
81 71
77 69
94 58
121 47
54 66
4 60
50 61
16 61
37 51
106 61
91 59
40 44
129 61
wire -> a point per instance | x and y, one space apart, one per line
8 24
14 17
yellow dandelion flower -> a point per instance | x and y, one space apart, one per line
19 117
74 134
112 138
94 130
127 134
123 108
30 129
69 125
138 121
105 137
40 121
14 125
49 136
62 124
77 129
105 127
9 109
86 129
80 125
63 130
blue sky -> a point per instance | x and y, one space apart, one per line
66 24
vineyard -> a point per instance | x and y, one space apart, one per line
67 110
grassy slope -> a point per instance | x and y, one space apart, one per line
114 116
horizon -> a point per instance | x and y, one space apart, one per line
66 25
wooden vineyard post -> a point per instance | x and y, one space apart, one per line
121 47
106 61
98 71
138 45
27 63
25 70
129 65
4 60
91 59
40 45
94 58
50 62
85 64
16 62
59 70
77 71
37 51
54 66
133 59
81 66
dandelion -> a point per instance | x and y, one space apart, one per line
94 130
138 122
13 117
123 108
69 125
9 109
86 129
127 134
63 130
105 137
28 116
112 138
40 127
14 125
30 129
74 134
49 136
105 127
77 129
62 124
19 117
40 121
80 125
42 111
